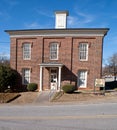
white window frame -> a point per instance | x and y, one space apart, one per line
54 51
83 51
82 78
27 51
25 76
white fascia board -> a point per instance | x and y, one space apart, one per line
57 33
51 65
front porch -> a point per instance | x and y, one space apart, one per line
54 77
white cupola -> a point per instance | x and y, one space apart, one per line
61 19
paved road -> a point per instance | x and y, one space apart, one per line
59 117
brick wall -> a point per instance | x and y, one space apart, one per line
68 55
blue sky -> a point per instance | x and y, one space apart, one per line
39 14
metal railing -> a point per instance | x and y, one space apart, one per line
51 94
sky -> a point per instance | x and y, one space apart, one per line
39 14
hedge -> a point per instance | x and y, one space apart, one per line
31 86
68 88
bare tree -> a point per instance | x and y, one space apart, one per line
112 65
105 70
4 59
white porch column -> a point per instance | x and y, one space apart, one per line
59 78
40 78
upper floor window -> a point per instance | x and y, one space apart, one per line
53 51
83 51
26 76
26 51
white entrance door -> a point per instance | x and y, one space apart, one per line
53 80
82 79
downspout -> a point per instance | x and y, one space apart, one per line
102 57
42 57
16 54
71 59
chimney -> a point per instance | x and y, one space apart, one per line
61 19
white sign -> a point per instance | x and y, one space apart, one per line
100 82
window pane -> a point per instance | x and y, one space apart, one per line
54 51
83 51
26 51
26 76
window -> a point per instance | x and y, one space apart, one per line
82 78
53 51
83 51
27 51
26 76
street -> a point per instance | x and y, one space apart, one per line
59 117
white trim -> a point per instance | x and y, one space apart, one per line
40 78
56 35
58 32
51 64
57 65
59 78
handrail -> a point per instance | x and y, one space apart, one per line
52 92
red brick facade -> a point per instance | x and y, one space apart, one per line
68 54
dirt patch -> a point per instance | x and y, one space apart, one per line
60 98
87 97
18 98
8 97
26 97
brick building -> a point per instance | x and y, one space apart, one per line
53 57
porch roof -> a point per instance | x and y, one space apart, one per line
51 64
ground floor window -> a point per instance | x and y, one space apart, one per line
26 76
82 78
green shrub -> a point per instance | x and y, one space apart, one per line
68 88
32 86
8 77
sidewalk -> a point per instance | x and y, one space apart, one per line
42 98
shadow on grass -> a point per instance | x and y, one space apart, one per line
8 97
15 97
77 92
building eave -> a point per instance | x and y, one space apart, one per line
58 32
